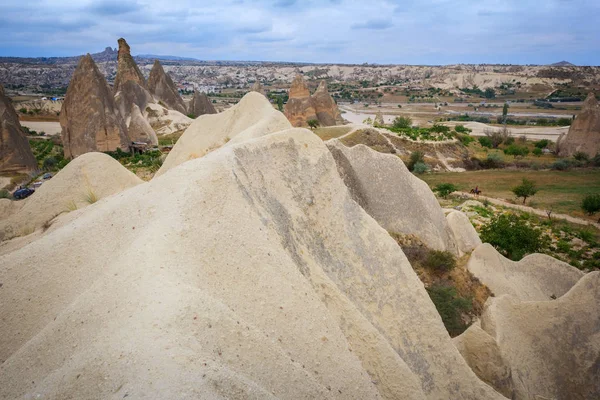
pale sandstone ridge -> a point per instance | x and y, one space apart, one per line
89 117
536 277
253 116
401 203
90 177
15 152
584 133
200 105
162 87
551 348
139 128
325 107
271 282
127 69
464 234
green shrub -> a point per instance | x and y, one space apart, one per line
402 122
542 144
191 116
485 142
591 204
4 194
462 129
444 189
561 165
516 150
509 141
465 139
581 156
512 237
450 306
493 160
415 157
420 168
439 261
49 164
537 152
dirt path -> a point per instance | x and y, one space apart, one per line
531 210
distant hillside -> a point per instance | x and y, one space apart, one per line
562 64
170 58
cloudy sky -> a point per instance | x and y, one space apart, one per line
343 31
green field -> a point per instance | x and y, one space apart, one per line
561 190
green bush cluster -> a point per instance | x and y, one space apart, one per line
513 237
439 261
450 306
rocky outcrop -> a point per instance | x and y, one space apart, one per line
378 121
130 94
464 234
127 69
584 133
253 116
86 179
299 108
200 105
302 107
139 128
536 277
401 203
89 117
270 282
15 152
325 107
552 348
163 89
483 355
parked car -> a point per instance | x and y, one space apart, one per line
22 193
47 175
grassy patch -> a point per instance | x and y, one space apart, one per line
331 132
561 190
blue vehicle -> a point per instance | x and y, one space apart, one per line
22 193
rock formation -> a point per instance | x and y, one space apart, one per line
163 89
200 105
127 69
271 283
302 107
299 108
130 94
165 121
15 152
252 116
584 133
552 347
536 277
257 87
89 118
139 128
464 234
90 177
401 203
325 107
378 121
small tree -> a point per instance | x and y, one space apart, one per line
512 237
279 103
497 137
312 123
489 93
485 142
525 189
504 112
591 204
415 157
444 189
516 151
402 122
